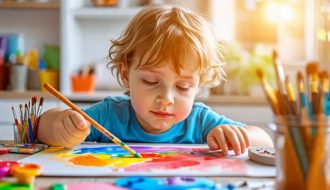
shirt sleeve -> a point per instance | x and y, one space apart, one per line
98 112
210 119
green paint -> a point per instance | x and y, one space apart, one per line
15 186
58 187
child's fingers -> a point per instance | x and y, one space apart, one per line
233 139
212 142
245 134
240 138
78 120
70 130
221 140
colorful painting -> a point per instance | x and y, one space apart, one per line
158 160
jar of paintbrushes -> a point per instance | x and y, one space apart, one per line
301 126
302 152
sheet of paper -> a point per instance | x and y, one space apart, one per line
158 160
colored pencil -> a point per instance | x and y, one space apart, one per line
104 131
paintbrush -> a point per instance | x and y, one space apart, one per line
291 95
313 82
25 124
269 92
296 136
104 131
15 119
317 175
324 76
41 101
280 79
21 112
304 112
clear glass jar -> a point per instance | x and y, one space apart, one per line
302 152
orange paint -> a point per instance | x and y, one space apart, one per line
88 160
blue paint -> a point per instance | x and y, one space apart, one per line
170 183
118 151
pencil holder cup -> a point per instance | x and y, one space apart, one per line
49 76
302 152
83 83
18 77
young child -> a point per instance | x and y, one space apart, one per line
162 59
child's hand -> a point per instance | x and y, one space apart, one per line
72 128
226 137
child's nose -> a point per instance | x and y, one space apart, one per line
166 97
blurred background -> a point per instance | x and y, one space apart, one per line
65 43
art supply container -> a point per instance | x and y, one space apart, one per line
33 79
18 77
15 43
17 130
302 152
49 76
4 76
83 83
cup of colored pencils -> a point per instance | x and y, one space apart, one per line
301 125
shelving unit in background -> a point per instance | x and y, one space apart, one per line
52 4
86 33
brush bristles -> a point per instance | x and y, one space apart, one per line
312 68
259 74
324 81
34 100
300 82
41 101
274 55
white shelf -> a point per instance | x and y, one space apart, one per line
105 12
86 32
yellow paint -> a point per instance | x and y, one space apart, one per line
100 160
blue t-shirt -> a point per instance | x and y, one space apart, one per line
117 115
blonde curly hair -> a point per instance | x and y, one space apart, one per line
169 33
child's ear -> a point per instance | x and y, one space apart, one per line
123 71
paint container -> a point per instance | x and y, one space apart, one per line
4 76
49 76
15 44
18 77
83 83
302 152
33 82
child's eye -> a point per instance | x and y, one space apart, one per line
150 83
183 88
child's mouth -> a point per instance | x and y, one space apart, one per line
162 114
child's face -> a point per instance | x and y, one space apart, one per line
161 97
